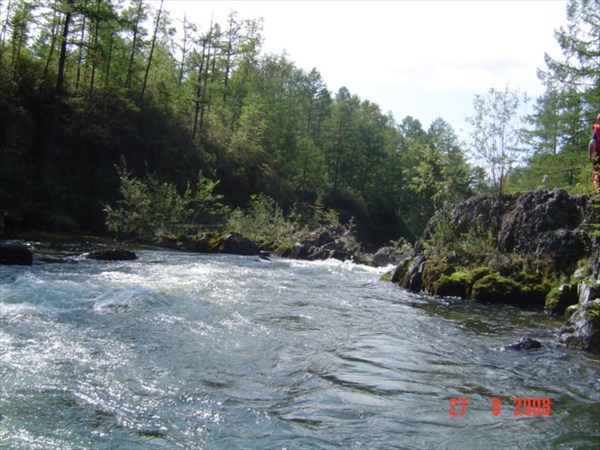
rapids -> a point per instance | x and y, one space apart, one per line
178 350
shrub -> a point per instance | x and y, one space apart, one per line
263 222
150 207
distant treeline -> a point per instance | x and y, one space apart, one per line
90 85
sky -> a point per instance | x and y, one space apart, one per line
425 59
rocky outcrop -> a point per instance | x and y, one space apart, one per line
583 326
15 254
535 248
111 254
386 256
229 243
324 243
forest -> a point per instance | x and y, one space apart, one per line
112 113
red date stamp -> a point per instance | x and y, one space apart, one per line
522 406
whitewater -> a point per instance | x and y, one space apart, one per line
189 351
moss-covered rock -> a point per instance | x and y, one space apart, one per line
560 298
387 277
505 265
400 271
478 273
592 314
494 288
535 288
433 270
455 285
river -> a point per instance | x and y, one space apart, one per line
190 351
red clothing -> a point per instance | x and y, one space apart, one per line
596 137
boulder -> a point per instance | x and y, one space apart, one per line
297 251
412 278
235 244
115 254
386 256
454 285
15 254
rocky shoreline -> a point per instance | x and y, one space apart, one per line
533 250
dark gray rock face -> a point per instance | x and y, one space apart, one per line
15 254
532 215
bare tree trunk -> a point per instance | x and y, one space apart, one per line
228 56
58 92
199 94
5 28
95 47
55 27
136 28
151 51
108 62
202 84
184 50
81 47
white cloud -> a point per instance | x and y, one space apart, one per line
431 48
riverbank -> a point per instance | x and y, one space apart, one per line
321 243
532 250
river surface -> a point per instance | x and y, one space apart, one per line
189 351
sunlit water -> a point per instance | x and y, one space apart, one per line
191 351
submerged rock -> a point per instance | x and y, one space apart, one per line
525 343
15 254
111 255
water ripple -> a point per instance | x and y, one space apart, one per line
181 350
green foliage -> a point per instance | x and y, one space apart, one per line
495 137
115 86
560 126
263 222
401 244
150 207
469 247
